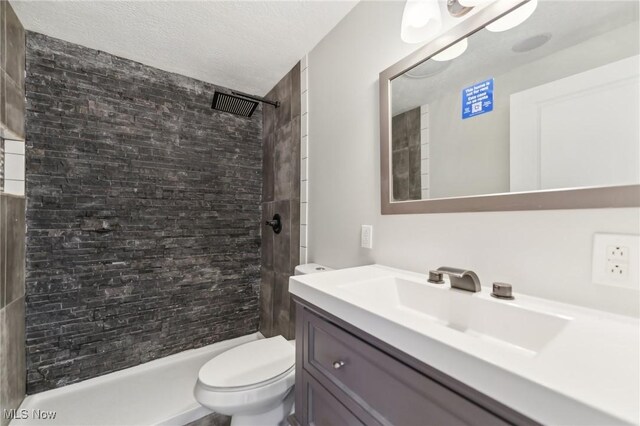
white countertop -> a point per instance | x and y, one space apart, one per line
588 374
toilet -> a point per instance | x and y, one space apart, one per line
253 382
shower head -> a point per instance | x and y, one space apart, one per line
239 103
233 104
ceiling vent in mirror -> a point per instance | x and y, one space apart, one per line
531 43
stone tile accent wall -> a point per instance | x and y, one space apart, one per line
143 215
281 194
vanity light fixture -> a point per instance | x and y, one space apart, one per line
457 9
421 19
514 18
452 51
473 3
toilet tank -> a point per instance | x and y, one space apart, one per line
311 268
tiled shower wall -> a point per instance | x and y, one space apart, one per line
143 214
12 214
406 158
281 195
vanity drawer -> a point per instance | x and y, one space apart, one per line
323 409
389 390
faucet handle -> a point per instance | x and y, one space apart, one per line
435 277
502 291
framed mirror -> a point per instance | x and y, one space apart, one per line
543 115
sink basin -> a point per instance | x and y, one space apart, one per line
498 322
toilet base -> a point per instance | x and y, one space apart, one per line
277 416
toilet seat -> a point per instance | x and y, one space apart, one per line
249 366
262 384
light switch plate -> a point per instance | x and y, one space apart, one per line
616 260
366 236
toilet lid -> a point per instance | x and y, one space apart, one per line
249 363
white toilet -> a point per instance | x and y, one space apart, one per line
253 382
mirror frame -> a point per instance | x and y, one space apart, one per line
566 198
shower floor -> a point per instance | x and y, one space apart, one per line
159 392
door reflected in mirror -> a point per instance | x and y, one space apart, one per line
550 104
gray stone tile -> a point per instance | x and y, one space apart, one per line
269 115
14 56
3 20
14 223
266 302
283 94
3 97
400 161
3 250
399 132
284 163
281 304
295 91
12 356
281 241
14 107
267 236
268 159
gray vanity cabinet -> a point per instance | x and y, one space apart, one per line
347 377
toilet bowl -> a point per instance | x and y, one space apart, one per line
252 382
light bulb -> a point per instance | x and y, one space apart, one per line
515 18
418 15
420 20
452 51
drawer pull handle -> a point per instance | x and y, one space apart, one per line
338 364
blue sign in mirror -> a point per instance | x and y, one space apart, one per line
477 99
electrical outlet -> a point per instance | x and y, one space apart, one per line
617 270
366 236
618 253
616 260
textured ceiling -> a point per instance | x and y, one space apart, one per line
243 45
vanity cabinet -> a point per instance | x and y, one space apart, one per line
347 377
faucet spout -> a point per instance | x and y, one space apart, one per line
461 279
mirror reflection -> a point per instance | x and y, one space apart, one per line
552 103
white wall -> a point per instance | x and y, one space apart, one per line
542 253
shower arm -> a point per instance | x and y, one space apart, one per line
257 98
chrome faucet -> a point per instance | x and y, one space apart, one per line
461 279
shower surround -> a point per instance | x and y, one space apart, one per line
143 215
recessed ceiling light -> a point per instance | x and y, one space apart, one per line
514 18
531 43
452 51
